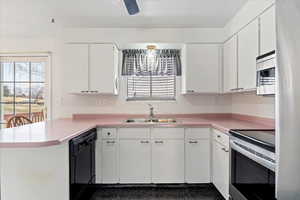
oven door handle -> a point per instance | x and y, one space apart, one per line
252 156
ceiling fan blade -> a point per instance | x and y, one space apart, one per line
132 7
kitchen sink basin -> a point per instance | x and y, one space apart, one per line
154 120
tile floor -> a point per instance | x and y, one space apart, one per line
207 192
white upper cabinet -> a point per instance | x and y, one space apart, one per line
202 73
76 61
103 68
240 52
230 65
92 68
248 40
267 31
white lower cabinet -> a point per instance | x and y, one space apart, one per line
163 155
197 161
167 161
197 155
221 164
135 161
109 161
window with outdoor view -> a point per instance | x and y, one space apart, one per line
22 88
151 74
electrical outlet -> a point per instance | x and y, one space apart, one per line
99 102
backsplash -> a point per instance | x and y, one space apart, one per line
250 104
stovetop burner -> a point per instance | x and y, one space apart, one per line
262 137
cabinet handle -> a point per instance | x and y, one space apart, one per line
190 90
116 83
236 89
193 142
144 142
110 142
108 133
159 142
218 136
225 150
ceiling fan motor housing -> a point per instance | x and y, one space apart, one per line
132 7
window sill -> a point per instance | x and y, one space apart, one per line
152 99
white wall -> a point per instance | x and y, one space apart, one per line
118 104
250 104
247 13
64 105
123 37
52 38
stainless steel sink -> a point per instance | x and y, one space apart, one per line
149 120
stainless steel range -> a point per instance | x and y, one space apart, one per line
252 165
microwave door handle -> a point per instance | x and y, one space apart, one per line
252 156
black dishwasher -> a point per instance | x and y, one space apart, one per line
82 164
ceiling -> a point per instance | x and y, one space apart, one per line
112 13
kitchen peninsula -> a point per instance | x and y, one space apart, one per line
35 157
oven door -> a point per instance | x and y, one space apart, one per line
251 178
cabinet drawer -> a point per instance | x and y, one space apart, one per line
109 133
168 133
197 133
221 137
134 133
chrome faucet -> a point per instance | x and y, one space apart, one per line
151 115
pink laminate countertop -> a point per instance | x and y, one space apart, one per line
54 132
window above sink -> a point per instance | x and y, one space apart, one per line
151 73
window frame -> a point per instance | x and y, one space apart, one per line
48 77
151 98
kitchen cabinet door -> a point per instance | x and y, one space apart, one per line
197 161
221 168
230 65
248 47
103 71
109 162
76 68
268 31
135 161
202 73
167 161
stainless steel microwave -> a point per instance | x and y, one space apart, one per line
266 71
